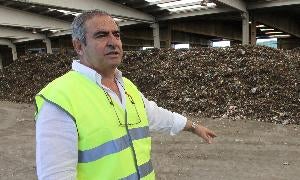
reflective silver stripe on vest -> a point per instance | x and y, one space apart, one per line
112 146
144 170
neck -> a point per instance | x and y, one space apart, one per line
107 73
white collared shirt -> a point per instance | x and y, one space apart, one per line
56 133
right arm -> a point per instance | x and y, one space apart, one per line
56 144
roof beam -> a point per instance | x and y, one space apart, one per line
26 19
6 32
272 4
61 33
23 40
162 2
69 32
236 4
126 23
115 9
5 42
196 13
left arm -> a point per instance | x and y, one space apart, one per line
163 120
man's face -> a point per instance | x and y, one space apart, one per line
103 49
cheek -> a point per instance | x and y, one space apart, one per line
120 45
99 49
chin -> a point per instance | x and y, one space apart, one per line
115 62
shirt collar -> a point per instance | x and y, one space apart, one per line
91 73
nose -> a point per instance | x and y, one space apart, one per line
112 40
111 46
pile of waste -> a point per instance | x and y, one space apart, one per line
239 82
24 78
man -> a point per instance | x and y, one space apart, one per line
92 123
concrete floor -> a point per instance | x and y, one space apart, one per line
243 150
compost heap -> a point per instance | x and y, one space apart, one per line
239 82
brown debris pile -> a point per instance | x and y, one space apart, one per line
239 82
23 79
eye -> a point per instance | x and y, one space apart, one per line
116 34
100 35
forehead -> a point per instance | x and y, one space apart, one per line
105 23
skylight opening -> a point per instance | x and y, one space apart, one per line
117 19
152 0
260 26
280 36
267 29
177 3
188 8
274 32
76 14
65 12
211 5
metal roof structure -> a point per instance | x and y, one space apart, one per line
24 20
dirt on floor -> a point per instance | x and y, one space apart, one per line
243 150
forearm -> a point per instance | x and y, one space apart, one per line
163 120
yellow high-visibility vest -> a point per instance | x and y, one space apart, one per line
105 150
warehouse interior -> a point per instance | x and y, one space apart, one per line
246 91
44 26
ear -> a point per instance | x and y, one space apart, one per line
78 47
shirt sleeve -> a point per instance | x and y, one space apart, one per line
163 120
56 144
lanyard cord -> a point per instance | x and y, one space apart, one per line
127 130
132 148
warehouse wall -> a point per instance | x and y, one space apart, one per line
289 43
36 46
62 44
225 29
190 38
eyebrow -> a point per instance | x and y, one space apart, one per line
104 32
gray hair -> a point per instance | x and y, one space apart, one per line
78 24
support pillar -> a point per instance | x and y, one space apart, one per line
1 65
245 24
253 32
156 38
48 45
13 51
169 36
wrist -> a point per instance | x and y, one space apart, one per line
191 126
194 125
